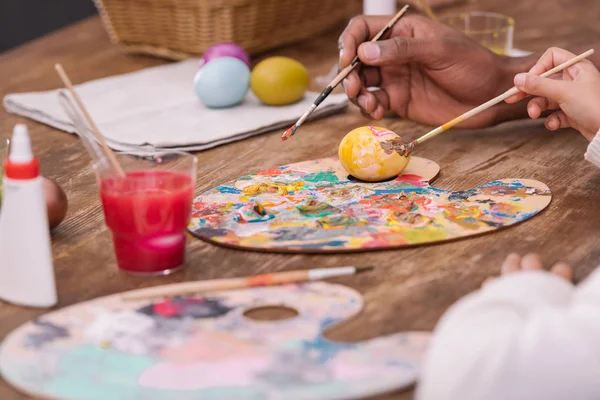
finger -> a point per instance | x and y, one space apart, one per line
488 280
383 104
367 101
359 30
365 114
398 50
557 120
556 56
551 58
378 113
563 270
352 85
515 98
370 77
532 262
538 105
538 86
382 98
512 263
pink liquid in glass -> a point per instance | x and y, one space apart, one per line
148 213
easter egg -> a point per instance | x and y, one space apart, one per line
362 157
56 202
279 81
225 50
223 82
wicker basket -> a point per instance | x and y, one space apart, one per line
178 29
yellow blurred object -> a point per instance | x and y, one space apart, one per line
492 30
424 4
362 157
279 81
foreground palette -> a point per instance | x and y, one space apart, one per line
188 348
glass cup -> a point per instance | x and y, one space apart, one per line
148 210
4 144
492 30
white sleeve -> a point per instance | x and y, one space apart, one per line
528 335
593 151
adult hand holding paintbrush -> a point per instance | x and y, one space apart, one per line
336 81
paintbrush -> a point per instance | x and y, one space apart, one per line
425 6
215 285
107 151
339 77
405 149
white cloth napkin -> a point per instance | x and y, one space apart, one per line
158 108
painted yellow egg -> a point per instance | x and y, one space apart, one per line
362 157
279 81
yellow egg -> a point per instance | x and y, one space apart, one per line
362 157
279 81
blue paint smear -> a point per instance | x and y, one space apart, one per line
506 215
462 195
333 243
400 190
408 189
512 185
228 189
324 349
524 216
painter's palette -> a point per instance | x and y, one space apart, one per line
314 206
206 348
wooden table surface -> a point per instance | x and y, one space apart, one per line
410 288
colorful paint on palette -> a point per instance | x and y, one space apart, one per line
314 206
206 348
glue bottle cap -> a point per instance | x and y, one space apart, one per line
21 164
20 145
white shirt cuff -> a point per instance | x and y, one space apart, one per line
593 151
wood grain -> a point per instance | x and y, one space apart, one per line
411 288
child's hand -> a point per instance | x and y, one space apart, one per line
515 263
576 96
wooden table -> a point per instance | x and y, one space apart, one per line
411 288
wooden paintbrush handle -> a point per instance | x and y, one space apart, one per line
498 99
468 115
108 152
216 285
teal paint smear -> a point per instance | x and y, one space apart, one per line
327 176
90 372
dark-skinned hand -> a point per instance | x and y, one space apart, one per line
424 71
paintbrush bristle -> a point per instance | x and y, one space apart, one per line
290 132
360 270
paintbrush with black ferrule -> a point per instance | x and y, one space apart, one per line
340 77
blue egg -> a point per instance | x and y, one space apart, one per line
222 82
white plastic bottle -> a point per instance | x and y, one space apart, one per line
379 7
26 269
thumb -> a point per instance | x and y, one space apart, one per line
552 89
395 51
